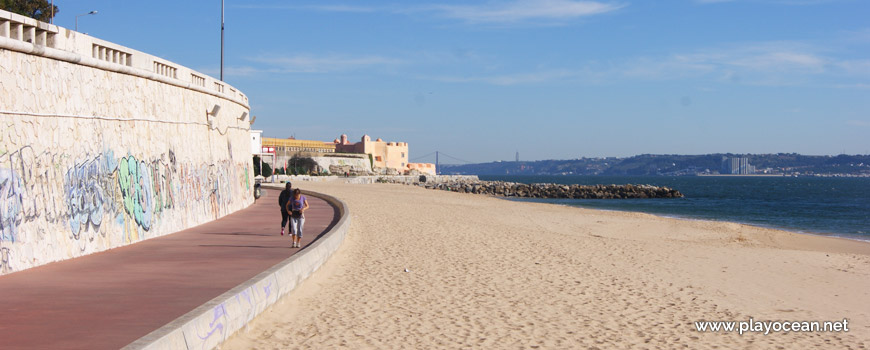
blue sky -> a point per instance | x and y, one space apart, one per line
552 79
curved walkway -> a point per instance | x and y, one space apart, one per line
108 300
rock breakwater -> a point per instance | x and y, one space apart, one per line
545 190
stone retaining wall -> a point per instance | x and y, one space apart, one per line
406 179
103 146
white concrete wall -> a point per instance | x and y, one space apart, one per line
355 164
406 179
98 154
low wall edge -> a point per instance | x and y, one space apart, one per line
210 324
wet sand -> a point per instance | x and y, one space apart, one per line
491 273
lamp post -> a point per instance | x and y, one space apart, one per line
222 40
84 14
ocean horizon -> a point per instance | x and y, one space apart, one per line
809 205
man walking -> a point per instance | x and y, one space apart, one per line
283 198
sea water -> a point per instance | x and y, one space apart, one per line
818 205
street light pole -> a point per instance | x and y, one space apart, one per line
222 40
84 14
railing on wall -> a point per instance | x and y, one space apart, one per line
24 34
108 54
197 80
26 29
165 70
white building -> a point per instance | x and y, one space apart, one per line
256 142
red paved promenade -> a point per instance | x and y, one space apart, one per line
107 300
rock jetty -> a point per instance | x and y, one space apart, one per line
545 190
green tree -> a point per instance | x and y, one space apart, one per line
256 161
36 9
267 170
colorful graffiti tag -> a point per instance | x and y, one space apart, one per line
90 193
134 180
11 200
128 194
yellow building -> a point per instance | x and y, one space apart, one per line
293 145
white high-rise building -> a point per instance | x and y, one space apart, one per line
737 166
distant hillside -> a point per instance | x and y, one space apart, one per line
667 164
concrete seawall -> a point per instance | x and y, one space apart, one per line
406 179
238 306
103 146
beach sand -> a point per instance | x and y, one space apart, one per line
494 274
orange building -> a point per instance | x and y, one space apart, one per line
387 155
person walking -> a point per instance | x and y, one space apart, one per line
283 198
297 207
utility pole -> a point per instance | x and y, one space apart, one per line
518 156
437 167
222 40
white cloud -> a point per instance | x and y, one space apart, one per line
853 86
515 11
342 8
511 79
858 36
769 64
237 71
804 2
322 8
780 2
523 10
778 60
304 63
856 67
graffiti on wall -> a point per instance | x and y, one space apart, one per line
11 199
134 180
104 195
4 260
31 188
90 193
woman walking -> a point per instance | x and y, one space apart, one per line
283 198
297 207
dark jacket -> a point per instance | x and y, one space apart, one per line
284 197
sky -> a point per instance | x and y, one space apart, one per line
550 79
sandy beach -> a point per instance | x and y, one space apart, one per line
494 274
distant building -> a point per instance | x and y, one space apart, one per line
386 157
279 152
256 141
391 156
424 168
737 166
293 145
